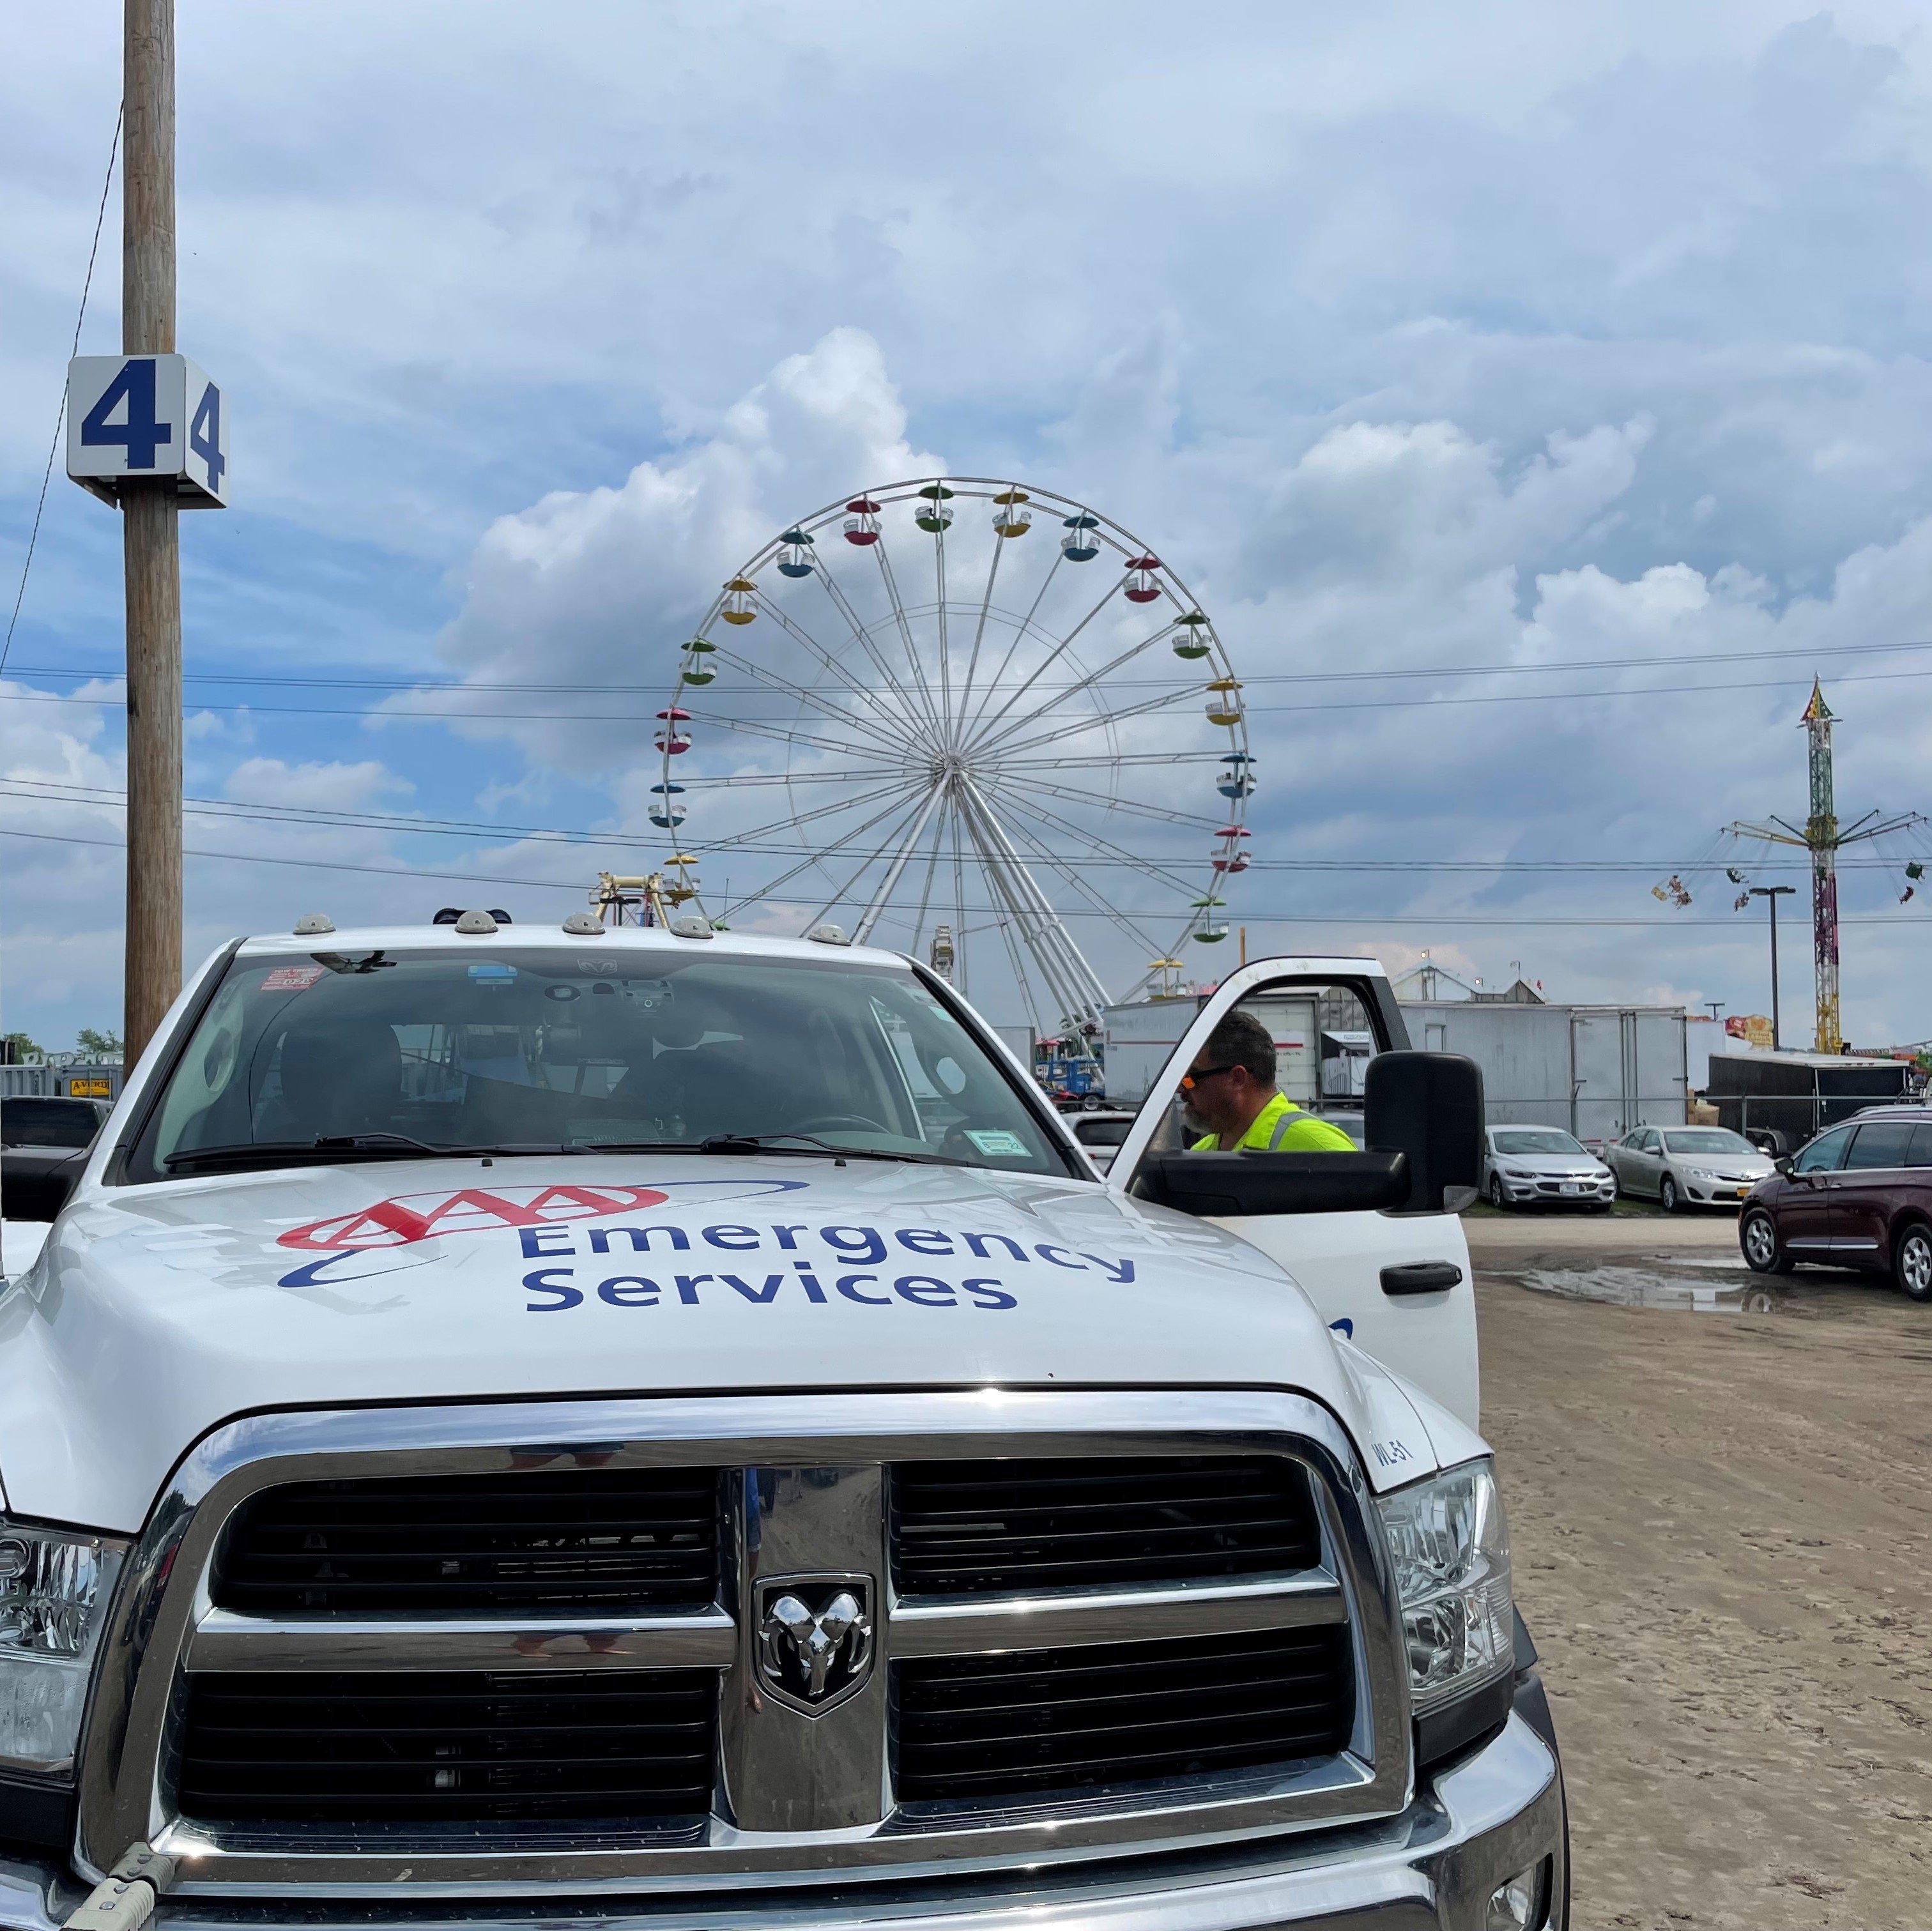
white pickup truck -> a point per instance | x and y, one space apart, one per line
662 1428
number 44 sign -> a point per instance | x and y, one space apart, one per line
155 418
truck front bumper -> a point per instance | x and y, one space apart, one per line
1496 1815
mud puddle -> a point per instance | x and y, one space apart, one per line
1674 1287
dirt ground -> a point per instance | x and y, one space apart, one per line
1722 1523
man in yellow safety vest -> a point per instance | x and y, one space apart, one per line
1230 1089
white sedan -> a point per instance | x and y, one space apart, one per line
1543 1166
1687 1166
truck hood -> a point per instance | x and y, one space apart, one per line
156 1312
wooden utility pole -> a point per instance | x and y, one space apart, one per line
151 536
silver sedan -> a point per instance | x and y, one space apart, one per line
1543 1166
1687 1166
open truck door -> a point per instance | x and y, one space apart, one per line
1372 1236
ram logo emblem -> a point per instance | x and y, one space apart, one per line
814 1639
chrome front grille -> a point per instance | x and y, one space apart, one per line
382 1748
1016 1529
1061 1625
565 1540
988 1728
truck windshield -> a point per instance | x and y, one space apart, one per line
522 1049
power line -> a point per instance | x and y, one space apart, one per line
1677 691
286 679
60 415
1743 929
103 797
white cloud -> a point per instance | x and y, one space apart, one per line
602 584
363 786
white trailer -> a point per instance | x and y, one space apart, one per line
1139 1039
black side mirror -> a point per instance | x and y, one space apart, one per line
1229 1186
1782 1163
1428 1107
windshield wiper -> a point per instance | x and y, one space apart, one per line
327 1148
403 1143
786 1142
761 1143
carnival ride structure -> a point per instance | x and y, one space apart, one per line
957 718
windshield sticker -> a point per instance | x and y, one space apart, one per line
998 1143
490 970
292 978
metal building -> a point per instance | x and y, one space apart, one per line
1595 1070
1140 1038
65 1078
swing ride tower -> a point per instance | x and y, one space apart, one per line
1822 836
1821 833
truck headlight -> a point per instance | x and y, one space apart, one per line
1450 1542
55 1587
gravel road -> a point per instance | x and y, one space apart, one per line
1722 1522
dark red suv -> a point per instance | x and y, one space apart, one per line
1858 1195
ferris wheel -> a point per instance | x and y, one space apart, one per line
903 717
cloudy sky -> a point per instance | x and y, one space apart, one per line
1415 339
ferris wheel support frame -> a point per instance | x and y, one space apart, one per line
1086 995
870 916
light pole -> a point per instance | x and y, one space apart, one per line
1771 894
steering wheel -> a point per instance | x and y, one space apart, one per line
837 1123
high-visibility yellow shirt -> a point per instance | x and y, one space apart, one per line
1281 1127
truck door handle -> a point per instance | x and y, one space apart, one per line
1421 1277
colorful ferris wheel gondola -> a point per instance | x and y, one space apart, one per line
1237 779
1224 701
862 520
1211 927
686 888
1011 516
675 737
666 811
740 600
795 549
934 512
1143 586
1080 544
1190 636
695 666
1167 977
1232 856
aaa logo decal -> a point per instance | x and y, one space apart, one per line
409 1218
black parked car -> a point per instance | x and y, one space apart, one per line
43 1144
